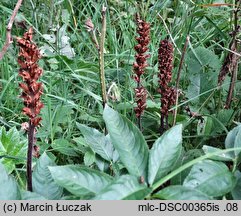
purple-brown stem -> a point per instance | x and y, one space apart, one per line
31 138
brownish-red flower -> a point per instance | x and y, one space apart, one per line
29 70
165 60
143 29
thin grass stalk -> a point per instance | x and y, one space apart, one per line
179 76
101 57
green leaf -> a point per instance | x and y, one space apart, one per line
98 142
179 192
63 146
80 180
222 118
233 139
128 141
237 142
222 157
204 127
102 164
8 187
203 66
43 182
125 187
236 192
12 148
210 177
184 158
164 153
89 158
27 195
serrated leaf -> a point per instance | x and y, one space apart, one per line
98 142
164 153
179 192
12 148
80 180
227 156
8 187
43 182
210 177
128 141
125 187
236 192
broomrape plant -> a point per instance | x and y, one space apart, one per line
143 29
30 72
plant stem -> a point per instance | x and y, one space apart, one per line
139 123
101 57
9 29
29 156
178 77
234 63
162 124
232 84
139 117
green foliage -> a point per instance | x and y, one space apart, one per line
79 180
211 178
9 189
206 179
236 192
12 148
203 67
121 162
99 143
124 188
180 192
128 141
64 147
43 182
164 154
27 195
233 140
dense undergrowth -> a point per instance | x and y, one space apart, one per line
198 158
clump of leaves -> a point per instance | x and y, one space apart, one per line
124 167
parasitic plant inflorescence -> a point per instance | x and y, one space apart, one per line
30 72
168 94
143 29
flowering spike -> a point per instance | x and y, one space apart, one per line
30 72
143 29
168 94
